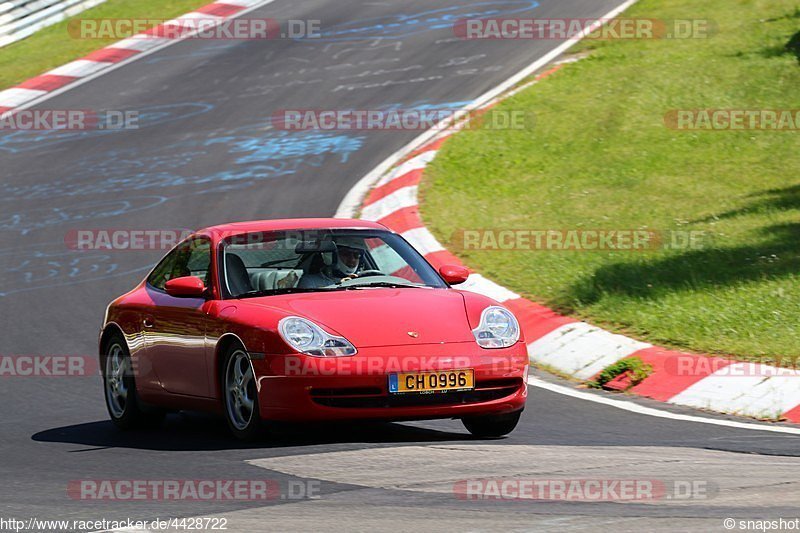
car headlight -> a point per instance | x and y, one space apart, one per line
310 339
498 328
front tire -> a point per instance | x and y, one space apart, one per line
492 426
123 404
240 395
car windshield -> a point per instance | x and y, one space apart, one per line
260 264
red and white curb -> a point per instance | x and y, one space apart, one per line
65 77
580 349
572 347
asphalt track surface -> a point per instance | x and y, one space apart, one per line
205 154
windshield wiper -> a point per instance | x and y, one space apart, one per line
286 290
387 284
297 290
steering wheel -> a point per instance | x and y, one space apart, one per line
366 273
363 274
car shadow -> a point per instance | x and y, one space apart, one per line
777 255
772 253
770 200
792 47
199 432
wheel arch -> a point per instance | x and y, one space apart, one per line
223 344
110 329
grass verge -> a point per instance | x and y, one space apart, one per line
601 157
53 46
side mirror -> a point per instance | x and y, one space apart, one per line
454 274
185 287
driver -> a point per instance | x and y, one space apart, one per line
346 263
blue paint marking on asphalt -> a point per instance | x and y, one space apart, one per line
395 26
42 217
427 105
148 117
27 269
288 145
260 152
266 154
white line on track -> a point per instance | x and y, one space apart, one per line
649 411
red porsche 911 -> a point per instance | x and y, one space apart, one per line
310 320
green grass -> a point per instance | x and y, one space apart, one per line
636 369
600 156
53 46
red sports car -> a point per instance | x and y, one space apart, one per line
312 319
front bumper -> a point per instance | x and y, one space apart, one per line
303 388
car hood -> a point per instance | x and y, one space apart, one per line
381 317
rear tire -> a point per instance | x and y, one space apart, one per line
123 404
240 394
492 426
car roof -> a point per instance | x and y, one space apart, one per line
223 231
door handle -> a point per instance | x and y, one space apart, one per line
148 322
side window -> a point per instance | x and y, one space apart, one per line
192 258
199 260
158 278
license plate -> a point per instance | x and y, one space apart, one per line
447 380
